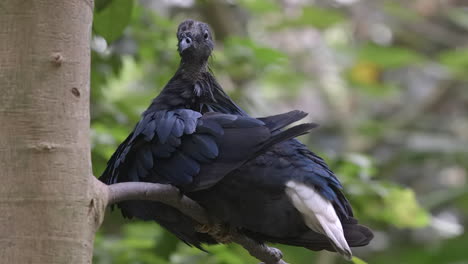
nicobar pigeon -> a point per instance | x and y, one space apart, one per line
250 173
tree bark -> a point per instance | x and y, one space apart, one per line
47 199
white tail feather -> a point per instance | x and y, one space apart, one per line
319 214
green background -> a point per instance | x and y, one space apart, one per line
386 80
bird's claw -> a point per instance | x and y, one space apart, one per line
203 228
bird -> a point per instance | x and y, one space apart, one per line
250 173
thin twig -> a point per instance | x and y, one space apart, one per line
170 195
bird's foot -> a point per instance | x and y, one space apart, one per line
219 232
223 237
203 228
276 253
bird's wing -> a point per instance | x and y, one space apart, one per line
244 139
154 143
190 150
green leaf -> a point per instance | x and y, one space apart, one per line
260 6
379 200
357 260
111 21
389 57
456 60
245 59
99 5
314 16
450 251
403 210
261 54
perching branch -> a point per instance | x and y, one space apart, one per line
163 193
259 250
170 195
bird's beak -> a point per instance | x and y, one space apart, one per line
185 43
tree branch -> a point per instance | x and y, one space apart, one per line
259 250
163 193
170 195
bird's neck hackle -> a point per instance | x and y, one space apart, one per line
193 69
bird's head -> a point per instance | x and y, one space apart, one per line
195 41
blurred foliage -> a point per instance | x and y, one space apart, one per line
386 80
312 16
456 60
388 57
111 18
378 200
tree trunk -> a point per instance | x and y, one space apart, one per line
47 197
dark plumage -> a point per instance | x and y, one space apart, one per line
250 173
192 151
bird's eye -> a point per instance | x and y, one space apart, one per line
205 35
